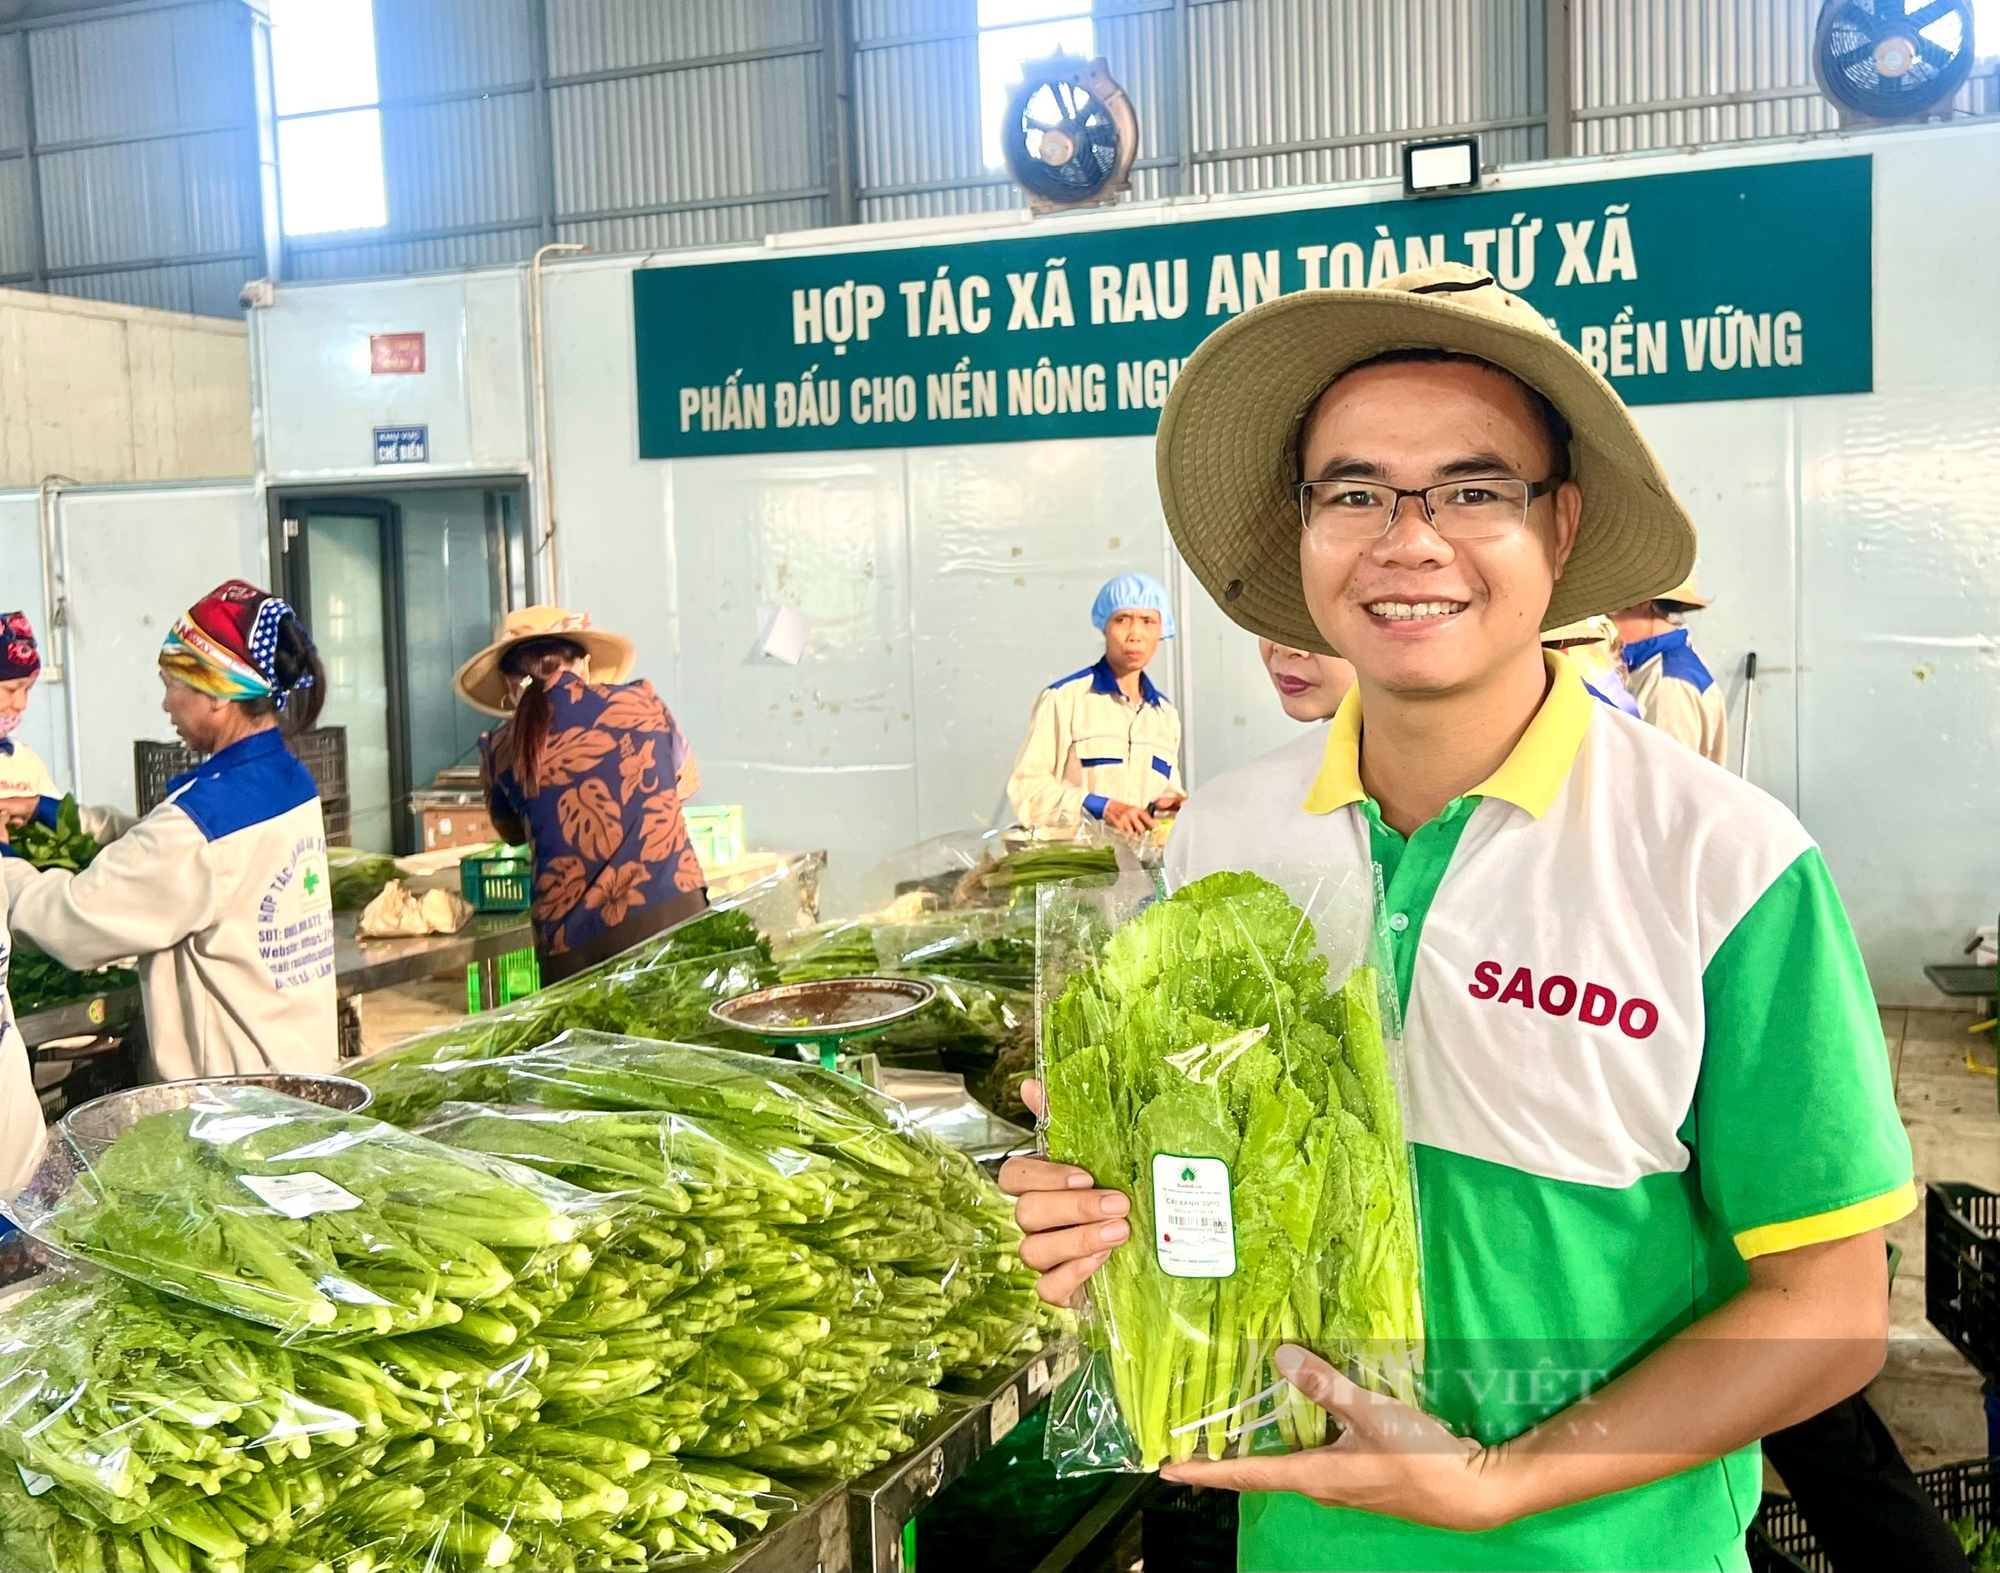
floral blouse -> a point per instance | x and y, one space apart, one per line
606 826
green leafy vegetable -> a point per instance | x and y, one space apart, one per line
1204 1028
35 981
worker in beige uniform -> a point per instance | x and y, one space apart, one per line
222 890
1104 744
1676 691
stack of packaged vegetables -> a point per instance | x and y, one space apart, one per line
35 980
660 989
814 1266
570 1329
320 1350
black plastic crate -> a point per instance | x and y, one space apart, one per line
339 821
323 751
1962 1270
1780 1542
1186 1529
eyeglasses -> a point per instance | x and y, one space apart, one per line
1348 509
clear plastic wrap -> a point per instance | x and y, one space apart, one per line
653 990
148 1432
309 1221
1220 1057
808 1249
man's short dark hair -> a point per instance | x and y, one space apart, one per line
1555 429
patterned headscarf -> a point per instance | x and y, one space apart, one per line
224 644
18 656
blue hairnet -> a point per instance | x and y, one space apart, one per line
1133 592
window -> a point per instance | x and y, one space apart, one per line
1986 28
329 128
1013 31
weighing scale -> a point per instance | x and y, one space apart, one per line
823 1016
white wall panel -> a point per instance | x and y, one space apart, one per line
190 539
323 403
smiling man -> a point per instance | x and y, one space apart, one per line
1649 1107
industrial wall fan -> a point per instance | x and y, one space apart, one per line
1070 134
1892 59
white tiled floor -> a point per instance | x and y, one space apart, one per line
1927 1394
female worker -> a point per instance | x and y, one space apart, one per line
24 779
222 890
1310 687
589 770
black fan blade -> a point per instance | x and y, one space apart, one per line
1936 55
1936 11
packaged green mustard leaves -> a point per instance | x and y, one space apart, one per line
1219 1055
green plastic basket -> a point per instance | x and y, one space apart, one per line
516 975
502 883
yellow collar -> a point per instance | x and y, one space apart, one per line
1529 777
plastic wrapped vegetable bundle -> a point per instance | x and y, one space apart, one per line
148 1432
313 1222
1197 1059
653 990
814 1254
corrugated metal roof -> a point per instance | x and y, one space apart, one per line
375 259
1641 52
209 288
748 129
917 115
610 35
467 162
17 234
424 47
143 73
141 201
698 122
13 93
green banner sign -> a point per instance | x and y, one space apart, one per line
1747 283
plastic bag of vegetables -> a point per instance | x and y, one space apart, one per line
1220 1056
148 1432
307 1220
652 991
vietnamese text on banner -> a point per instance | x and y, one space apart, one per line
1745 283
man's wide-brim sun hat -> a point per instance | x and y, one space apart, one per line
481 684
1227 450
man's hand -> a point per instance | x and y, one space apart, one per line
1071 1226
16 811
1390 1459
1128 817
1167 803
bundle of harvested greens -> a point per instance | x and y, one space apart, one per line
1198 1062
35 980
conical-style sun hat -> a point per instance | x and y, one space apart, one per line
1228 440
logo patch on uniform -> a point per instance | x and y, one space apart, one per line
1559 995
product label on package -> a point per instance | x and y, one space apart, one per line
1194 1233
300 1195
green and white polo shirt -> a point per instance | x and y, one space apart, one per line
1639 1048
